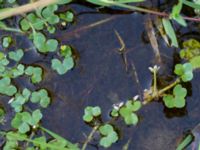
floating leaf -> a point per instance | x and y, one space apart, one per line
62 67
191 52
91 112
23 121
20 99
109 135
127 112
67 16
16 55
6 41
18 71
6 87
177 100
40 97
3 62
185 71
43 45
65 51
48 14
31 20
35 73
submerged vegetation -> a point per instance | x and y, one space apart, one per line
37 21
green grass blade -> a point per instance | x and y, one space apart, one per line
185 142
170 31
191 4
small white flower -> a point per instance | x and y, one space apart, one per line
11 100
154 68
117 106
135 97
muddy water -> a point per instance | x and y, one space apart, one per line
100 78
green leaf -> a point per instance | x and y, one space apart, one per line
170 32
35 73
41 97
36 117
109 135
65 51
67 16
185 71
6 87
44 45
176 14
195 62
62 67
22 121
61 139
191 4
127 112
16 55
6 41
177 100
18 71
32 21
91 112
20 99
48 14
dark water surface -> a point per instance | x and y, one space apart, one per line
100 78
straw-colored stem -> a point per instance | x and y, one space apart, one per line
9 12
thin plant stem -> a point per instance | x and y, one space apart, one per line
161 92
89 138
9 12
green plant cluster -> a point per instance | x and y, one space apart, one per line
177 100
61 67
109 135
38 26
127 112
191 52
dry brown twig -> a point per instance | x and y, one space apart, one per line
25 8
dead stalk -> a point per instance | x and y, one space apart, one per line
25 8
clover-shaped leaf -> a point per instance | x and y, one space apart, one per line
35 73
6 41
177 100
36 117
48 14
127 112
16 55
62 67
109 135
3 62
185 71
20 122
91 112
6 87
65 51
18 71
43 45
67 16
40 97
20 99
23 121
32 20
